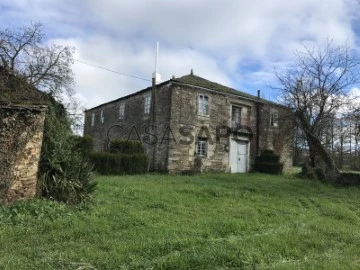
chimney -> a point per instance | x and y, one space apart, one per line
156 77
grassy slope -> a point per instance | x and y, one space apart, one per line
211 221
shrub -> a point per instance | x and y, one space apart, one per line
312 173
65 172
268 162
83 144
126 147
115 163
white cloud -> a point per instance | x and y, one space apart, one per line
99 86
217 39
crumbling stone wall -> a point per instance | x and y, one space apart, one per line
21 133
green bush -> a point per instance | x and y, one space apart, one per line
83 144
115 164
268 162
312 173
266 158
65 172
126 147
271 168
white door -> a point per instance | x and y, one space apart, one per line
238 156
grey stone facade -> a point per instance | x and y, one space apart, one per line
193 124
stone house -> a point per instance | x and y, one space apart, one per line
192 124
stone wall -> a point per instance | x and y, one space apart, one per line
184 113
151 129
175 111
21 133
182 153
108 126
278 138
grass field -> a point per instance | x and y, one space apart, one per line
210 221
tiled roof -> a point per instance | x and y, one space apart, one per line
201 82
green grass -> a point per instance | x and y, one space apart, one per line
210 221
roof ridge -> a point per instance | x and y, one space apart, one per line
194 80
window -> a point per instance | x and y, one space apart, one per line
92 119
102 119
235 116
273 118
147 104
203 105
122 110
201 147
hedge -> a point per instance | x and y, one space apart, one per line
115 163
83 144
268 167
126 147
268 162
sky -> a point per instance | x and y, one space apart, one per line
237 43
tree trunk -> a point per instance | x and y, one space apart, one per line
332 174
312 154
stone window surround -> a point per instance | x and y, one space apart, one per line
201 147
202 102
238 117
245 113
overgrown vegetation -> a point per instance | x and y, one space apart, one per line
125 157
33 71
208 221
65 171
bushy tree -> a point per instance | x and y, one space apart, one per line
36 72
25 53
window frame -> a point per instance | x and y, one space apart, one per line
202 147
274 118
122 106
92 119
203 107
232 116
102 118
147 105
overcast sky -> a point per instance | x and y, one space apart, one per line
234 42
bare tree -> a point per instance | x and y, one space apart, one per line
315 89
24 53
